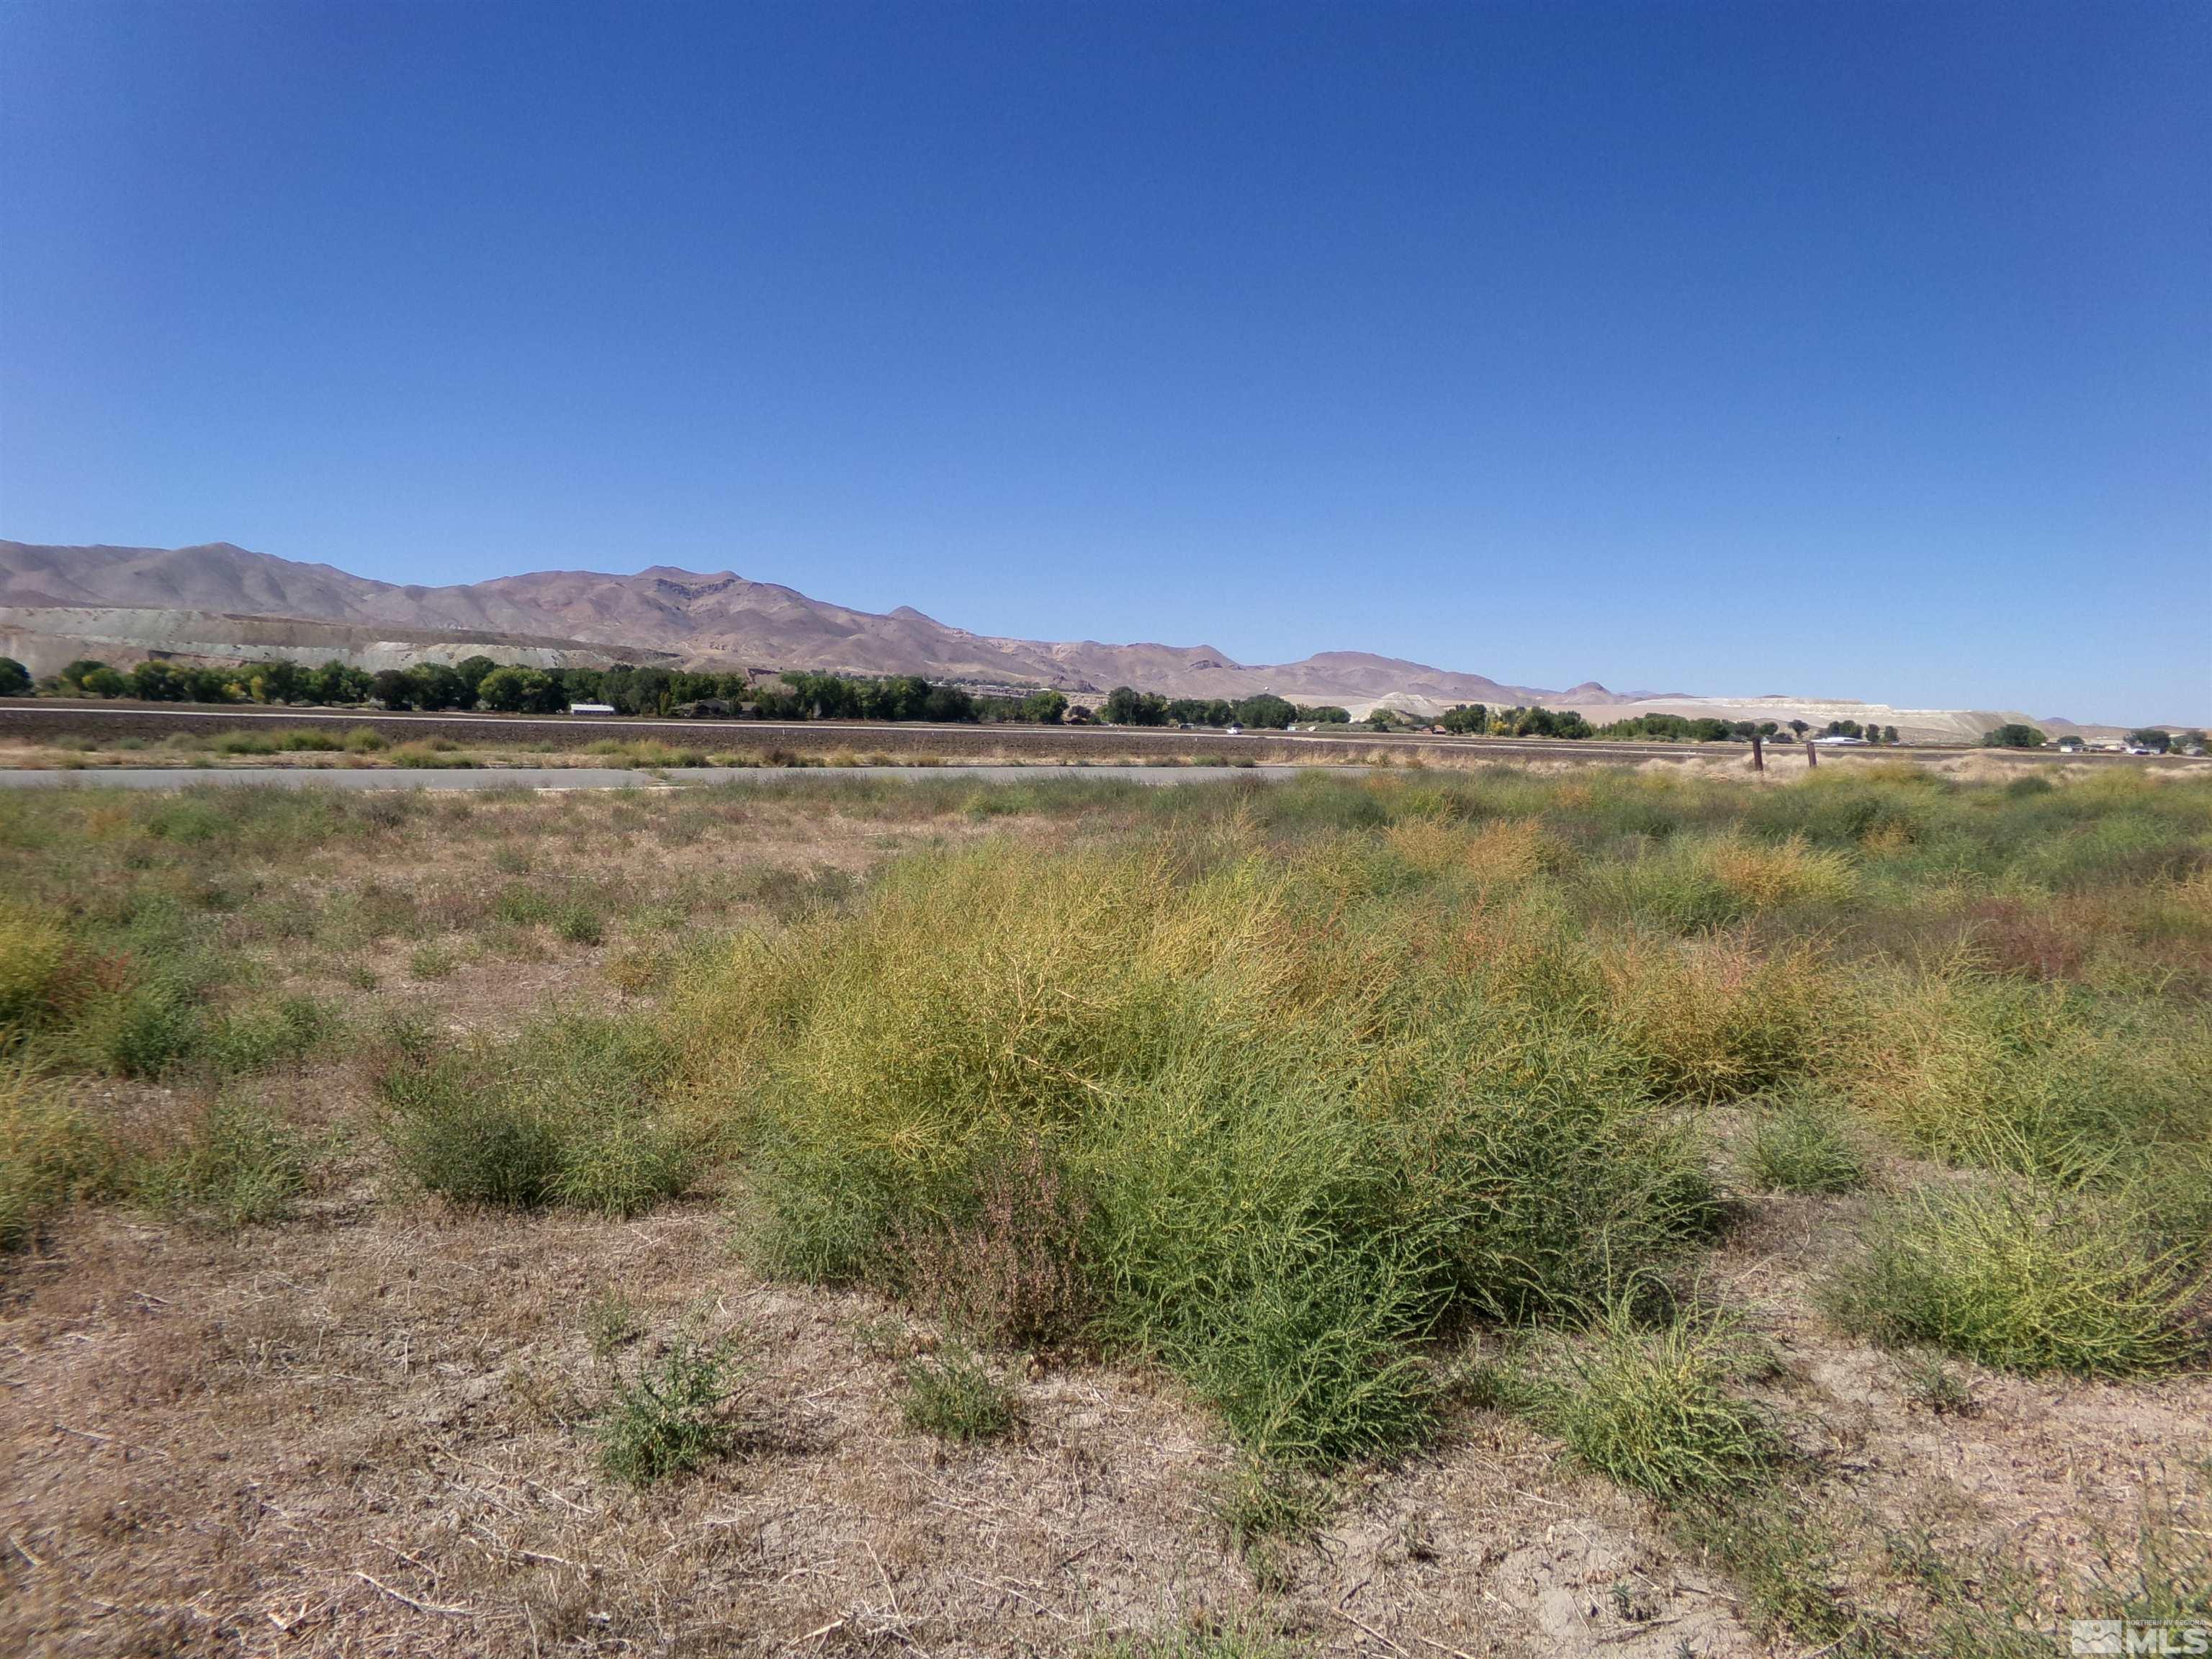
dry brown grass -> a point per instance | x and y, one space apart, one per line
370 1429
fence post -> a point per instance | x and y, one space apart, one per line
1757 754
1811 755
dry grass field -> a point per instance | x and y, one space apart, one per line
1442 1213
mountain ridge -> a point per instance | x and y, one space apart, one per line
216 599
711 617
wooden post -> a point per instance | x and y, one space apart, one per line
1811 755
1757 754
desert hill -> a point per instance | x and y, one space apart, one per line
217 600
717 617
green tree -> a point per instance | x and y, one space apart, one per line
15 678
2150 738
948 702
1467 718
211 684
1889 734
335 683
2012 735
1266 713
159 682
393 687
1125 706
472 671
1799 727
437 686
101 681
511 690
1046 707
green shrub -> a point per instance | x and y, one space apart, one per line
2039 1079
1282 1158
431 961
253 1039
578 923
1550 1178
35 970
1804 1144
1694 884
2082 1284
243 742
669 1417
953 1396
152 1028
1656 1409
435 754
238 1163
47 1150
567 1111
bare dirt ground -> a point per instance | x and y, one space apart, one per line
367 1429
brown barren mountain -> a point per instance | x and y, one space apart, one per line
718 617
216 601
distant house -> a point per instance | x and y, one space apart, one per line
590 708
1233 729
2071 745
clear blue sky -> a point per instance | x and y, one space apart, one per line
1834 349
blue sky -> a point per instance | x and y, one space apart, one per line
1848 350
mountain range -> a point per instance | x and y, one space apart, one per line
718 619
219 601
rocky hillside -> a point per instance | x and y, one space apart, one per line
122 604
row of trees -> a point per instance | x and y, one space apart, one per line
1475 719
1267 712
1480 720
478 681
2017 734
2161 742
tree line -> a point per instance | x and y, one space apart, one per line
479 682
1265 712
1478 719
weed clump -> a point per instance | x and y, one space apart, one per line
238 1164
1266 1156
566 1112
1657 1408
953 1396
47 1151
1803 1145
668 1417
2027 1282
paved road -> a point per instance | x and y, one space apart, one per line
603 777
